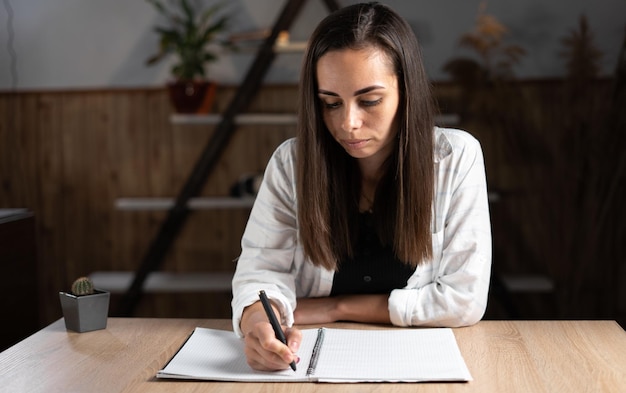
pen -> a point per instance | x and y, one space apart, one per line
278 331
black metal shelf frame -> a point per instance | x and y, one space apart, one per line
178 214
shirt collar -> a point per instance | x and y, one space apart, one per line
443 147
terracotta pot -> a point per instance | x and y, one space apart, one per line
192 96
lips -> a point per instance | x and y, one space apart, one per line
355 143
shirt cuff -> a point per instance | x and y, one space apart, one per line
400 302
277 299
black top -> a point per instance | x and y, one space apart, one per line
374 269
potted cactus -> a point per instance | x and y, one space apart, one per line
85 308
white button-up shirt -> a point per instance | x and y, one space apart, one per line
449 290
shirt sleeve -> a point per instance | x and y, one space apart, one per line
269 242
451 290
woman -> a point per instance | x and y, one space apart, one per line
371 214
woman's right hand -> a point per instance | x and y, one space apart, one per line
262 349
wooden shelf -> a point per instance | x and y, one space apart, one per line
217 143
120 281
527 283
444 120
447 120
243 119
291 47
200 203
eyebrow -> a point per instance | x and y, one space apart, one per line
356 93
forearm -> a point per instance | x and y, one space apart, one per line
356 308
363 308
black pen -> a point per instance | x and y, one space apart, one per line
278 331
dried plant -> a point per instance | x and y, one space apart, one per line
576 189
496 58
582 188
562 144
490 95
582 57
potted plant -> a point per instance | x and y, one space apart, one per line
85 308
190 31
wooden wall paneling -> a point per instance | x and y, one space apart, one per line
133 173
160 165
202 244
68 155
140 127
8 137
100 191
18 190
25 190
42 117
77 162
187 144
126 229
6 101
191 247
13 162
162 154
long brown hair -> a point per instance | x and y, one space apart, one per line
328 179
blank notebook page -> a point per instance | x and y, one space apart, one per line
219 355
410 355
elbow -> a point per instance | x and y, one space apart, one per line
472 315
468 310
465 315
444 307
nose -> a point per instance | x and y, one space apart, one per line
351 118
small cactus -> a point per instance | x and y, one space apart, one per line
82 286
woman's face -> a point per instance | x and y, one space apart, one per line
359 95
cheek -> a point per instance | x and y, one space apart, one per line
389 121
331 121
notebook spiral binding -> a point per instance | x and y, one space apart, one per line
316 352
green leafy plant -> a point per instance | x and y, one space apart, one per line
82 286
190 31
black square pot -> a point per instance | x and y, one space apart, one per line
85 313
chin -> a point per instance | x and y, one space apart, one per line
357 153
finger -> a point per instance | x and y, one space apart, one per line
294 338
265 352
265 362
271 344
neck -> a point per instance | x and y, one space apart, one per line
371 173
368 193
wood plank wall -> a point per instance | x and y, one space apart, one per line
67 156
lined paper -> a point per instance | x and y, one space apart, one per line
346 355
218 355
407 355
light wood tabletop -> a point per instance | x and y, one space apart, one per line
502 356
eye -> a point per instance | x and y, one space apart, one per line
371 102
331 105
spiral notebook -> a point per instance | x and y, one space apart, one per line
328 355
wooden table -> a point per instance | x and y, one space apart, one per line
503 356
